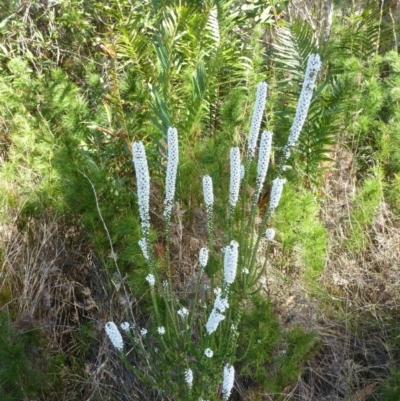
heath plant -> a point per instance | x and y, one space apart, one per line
188 349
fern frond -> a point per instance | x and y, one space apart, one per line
294 44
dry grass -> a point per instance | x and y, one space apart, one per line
354 311
356 316
52 281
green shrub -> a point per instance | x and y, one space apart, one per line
26 372
363 211
302 234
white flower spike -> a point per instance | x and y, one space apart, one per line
235 177
189 377
208 191
143 184
216 316
203 257
276 193
257 118
313 67
114 335
227 383
270 234
172 169
263 161
230 262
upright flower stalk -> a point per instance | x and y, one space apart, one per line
263 162
276 193
230 262
170 185
235 177
228 381
221 304
234 186
143 194
114 335
143 185
258 112
172 169
189 377
203 257
208 195
313 67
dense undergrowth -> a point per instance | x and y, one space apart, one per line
80 81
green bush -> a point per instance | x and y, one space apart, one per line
300 231
364 209
26 371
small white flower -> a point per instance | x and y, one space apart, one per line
245 270
208 191
165 285
172 169
161 330
276 193
125 326
262 280
230 262
208 352
233 327
143 332
257 118
183 312
189 377
235 177
217 291
227 383
114 335
270 234
203 257
150 279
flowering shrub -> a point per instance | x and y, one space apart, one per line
199 339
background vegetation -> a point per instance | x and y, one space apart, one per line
81 79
